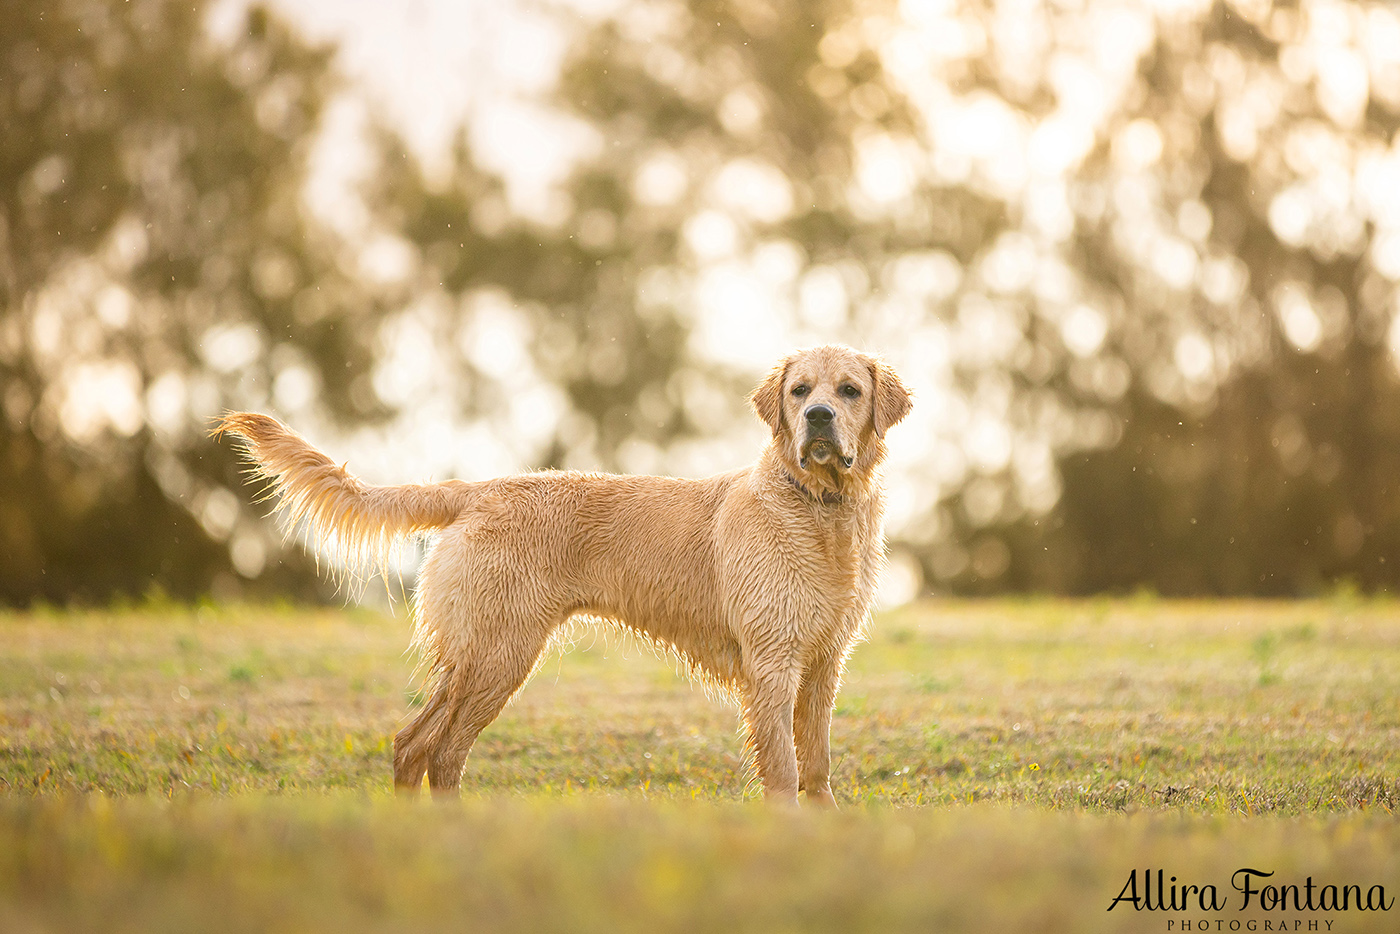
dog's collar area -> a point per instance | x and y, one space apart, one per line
826 498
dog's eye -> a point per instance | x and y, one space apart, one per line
850 392
800 390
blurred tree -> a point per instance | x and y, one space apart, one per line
1261 433
1139 261
1286 487
154 267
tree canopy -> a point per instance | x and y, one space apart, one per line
154 267
1138 260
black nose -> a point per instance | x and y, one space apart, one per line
819 416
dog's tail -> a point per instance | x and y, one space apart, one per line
359 523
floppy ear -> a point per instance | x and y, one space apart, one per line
767 399
891 398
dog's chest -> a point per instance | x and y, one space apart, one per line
841 578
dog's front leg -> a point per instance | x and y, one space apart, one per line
768 699
812 725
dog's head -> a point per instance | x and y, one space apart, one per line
829 408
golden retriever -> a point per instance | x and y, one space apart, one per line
761 579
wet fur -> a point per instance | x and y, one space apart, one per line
761 579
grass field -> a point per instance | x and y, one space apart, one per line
1002 766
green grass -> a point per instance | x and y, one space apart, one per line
1002 766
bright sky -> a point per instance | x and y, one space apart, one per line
425 61
428 64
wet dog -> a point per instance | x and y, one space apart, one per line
761 578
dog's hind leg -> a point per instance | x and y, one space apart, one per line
480 689
414 742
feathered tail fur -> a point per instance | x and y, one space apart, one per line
359 523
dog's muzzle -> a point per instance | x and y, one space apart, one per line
820 445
